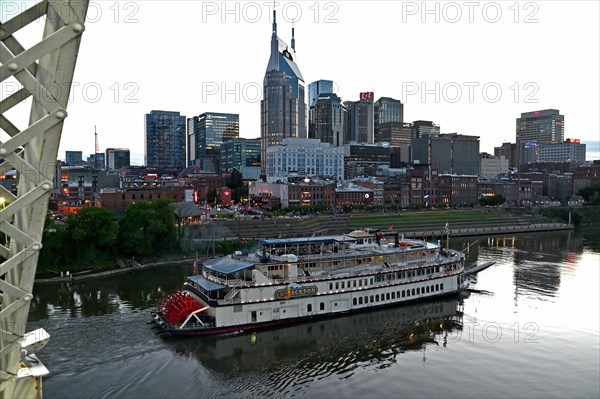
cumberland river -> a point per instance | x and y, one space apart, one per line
527 328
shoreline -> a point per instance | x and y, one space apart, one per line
474 232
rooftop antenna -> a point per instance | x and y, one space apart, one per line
96 148
293 38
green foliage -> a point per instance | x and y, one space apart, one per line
562 214
147 228
54 253
304 210
88 238
211 196
492 201
240 192
96 237
591 194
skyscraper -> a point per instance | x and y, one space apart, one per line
283 110
240 153
388 110
164 144
327 119
317 88
116 158
544 127
421 128
73 157
448 153
208 131
535 128
361 119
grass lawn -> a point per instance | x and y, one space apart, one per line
430 218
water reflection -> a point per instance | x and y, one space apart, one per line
284 360
117 294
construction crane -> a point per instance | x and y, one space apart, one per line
32 152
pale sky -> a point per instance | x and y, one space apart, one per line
471 67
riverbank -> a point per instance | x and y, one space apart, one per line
83 276
462 232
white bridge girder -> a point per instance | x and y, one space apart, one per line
33 153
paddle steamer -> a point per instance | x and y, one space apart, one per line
297 279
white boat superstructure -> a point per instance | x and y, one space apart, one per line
289 280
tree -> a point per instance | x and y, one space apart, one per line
147 228
93 234
588 194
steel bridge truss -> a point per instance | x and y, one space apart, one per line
32 152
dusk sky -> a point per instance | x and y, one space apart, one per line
471 67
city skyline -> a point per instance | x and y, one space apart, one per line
553 61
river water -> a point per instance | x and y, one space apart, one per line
527 328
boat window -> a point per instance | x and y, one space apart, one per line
442 286
309 307
343 283
337 285
418 291
377 298
360 300
360 282
437 287
413 291
437 269
366 299
371 280
427 289
354 301
330 286
387 296
393 295
322 306
354 283
371 299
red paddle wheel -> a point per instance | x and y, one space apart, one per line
176 307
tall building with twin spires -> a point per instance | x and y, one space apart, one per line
283 107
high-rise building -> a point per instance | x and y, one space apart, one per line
492 166
361 119
73 157
164 144
399 135
97 161
315 89
448 153
571 150
327 119
364 159
239 153
421 128
544 127
509 151
283 107
117 158
207 132
306 157
387 111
